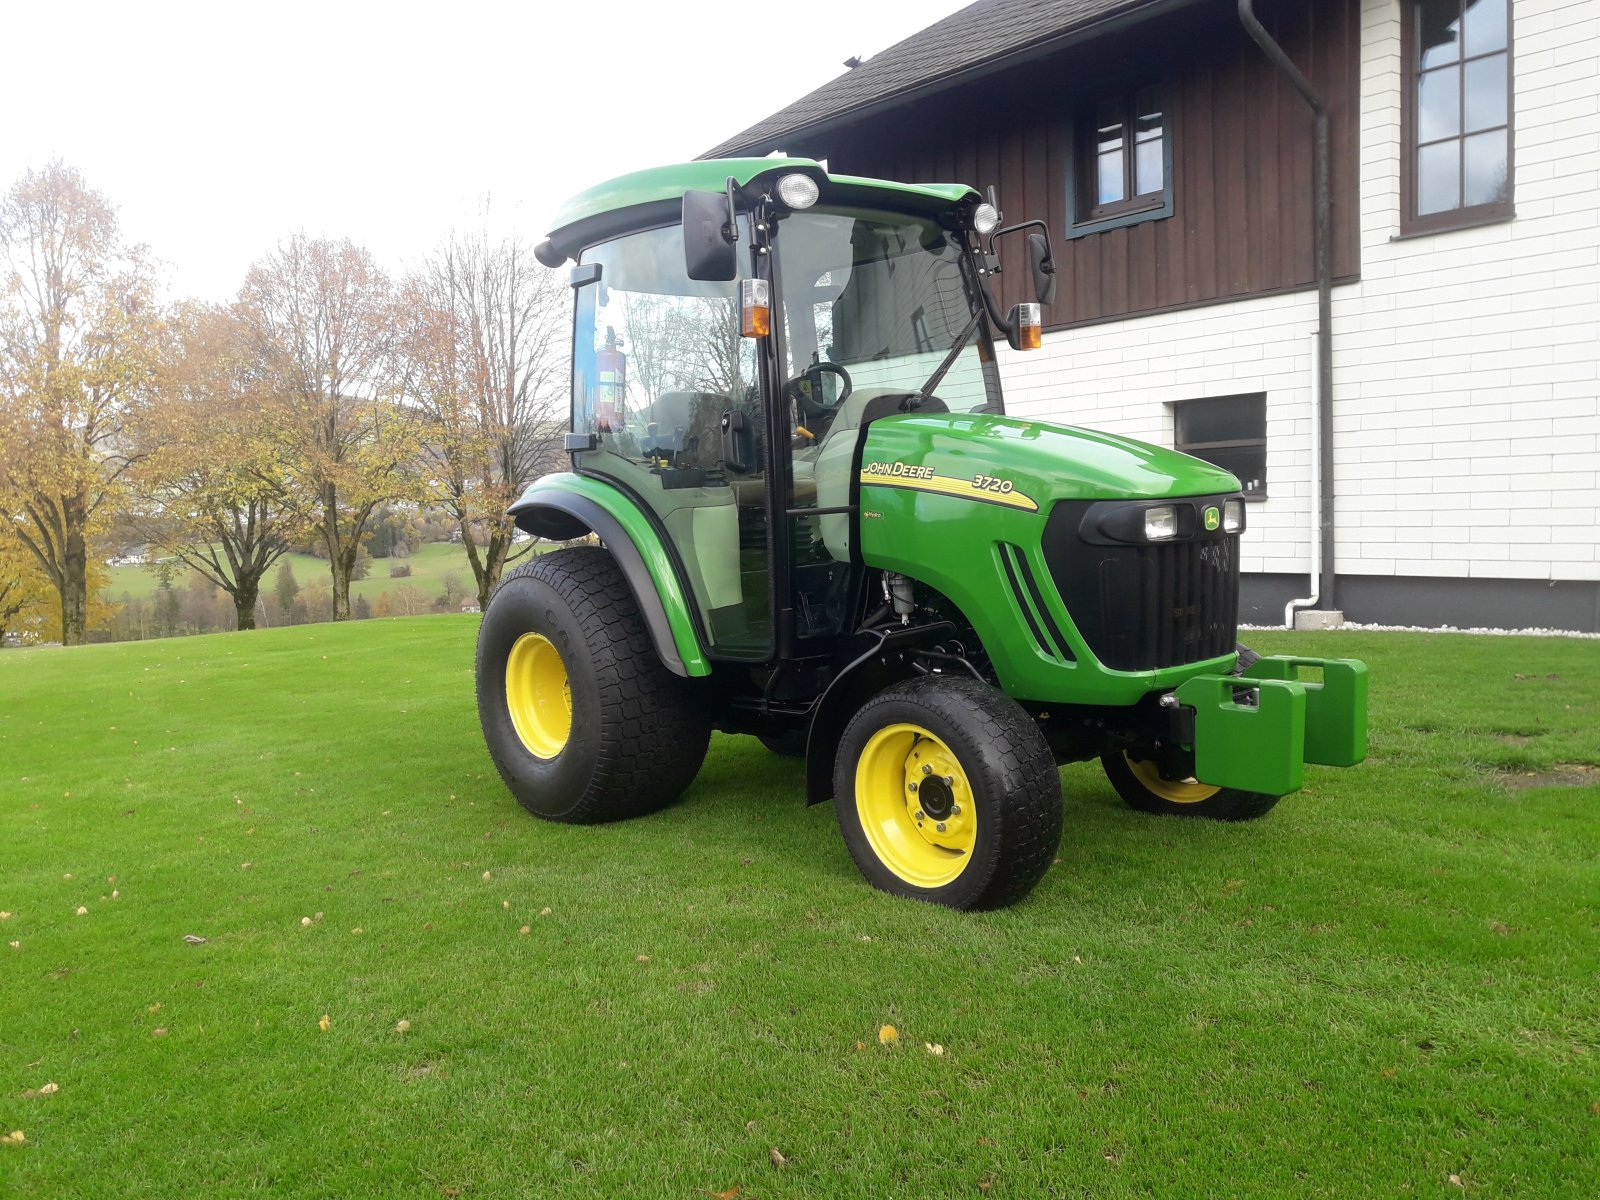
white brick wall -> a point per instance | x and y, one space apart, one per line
1466 364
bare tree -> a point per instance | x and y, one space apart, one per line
78 343
483 360
320 315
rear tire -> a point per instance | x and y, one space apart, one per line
947 792
564 630
1141 785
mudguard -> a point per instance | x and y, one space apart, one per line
566 505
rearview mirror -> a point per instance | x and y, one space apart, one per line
709 234
1043 267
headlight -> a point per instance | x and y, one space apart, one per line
1233 516
797 191
1160 523
984 219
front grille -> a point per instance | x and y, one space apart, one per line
1146 606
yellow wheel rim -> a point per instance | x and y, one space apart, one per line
539 695
1175 791
916 805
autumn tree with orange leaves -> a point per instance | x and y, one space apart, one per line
215 489
79 342
319 315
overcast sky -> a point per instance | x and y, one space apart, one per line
218 128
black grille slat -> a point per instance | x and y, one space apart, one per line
1142 607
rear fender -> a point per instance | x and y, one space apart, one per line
566 506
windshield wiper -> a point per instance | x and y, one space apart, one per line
926 390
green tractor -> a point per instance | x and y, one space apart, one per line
809 519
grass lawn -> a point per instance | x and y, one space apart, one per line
429 564
1390 985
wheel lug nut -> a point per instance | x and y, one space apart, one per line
919 815
955 810
926 769
911 787
949 781
940 826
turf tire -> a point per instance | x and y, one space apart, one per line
1013 777
638 734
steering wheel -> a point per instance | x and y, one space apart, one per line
809 399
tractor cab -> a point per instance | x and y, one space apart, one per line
731 407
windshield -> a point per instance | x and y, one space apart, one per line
886 296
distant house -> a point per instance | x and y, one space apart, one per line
470 606
1173 161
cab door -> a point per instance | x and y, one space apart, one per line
671 395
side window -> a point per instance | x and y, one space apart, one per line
1457 139
658 364
1229 432
1121 161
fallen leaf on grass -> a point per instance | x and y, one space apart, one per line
778 1160
1456 1180
5 916
505 904
82 911
49 1089
154 1007
935 1049
861 1045
526 929
641 958
731 1194
304 921
194 939
161 1032
325 1024
15 1138
402 1026
1388 1072
888 1035
15 945
544 912
487 875
987 1181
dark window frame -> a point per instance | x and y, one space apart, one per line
1412 224
1198 448
1085 217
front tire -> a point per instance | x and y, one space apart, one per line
581 718
1142 786
947 792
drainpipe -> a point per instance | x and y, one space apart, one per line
1314 555
1322 236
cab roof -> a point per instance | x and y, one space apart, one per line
638 198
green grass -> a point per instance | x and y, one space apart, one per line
1389 981
429 565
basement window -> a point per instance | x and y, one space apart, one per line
1229 432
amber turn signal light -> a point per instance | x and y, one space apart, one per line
755 308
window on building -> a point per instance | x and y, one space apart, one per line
1458 142
1122 162
1229 432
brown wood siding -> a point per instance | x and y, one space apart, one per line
1242 150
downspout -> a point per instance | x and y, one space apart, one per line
1314 552
1322 237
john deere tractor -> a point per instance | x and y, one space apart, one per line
810 520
